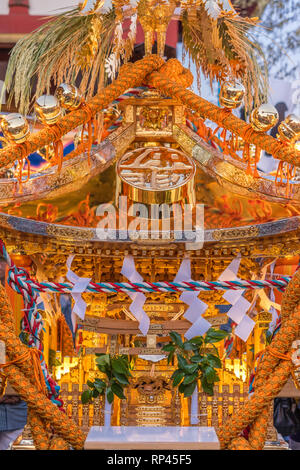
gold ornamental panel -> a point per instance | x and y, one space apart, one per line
156 175
154 119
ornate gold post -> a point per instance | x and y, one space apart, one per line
155 17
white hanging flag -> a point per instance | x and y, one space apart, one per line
80 285
196 307
244 328
239 305
138 299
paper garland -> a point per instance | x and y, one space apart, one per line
196 307
239 305
138 299
80 285
237 312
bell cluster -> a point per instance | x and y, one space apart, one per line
48 110
264 117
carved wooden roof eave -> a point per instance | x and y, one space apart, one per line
25 236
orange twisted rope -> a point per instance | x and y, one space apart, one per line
223 118
130 77
24 377
33 355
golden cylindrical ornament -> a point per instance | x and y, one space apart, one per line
232 94
265 117
15 127
47 109
69 96
289 129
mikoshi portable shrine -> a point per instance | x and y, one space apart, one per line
152 272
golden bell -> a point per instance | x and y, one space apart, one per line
69 96
264 118
47 109
15 127
289 129
232 94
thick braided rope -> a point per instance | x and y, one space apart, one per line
272 373
62 425
22 380
19 280
291 296
25 284
131 77
224 119
32 320
40 438
254 406
269 361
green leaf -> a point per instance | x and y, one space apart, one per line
190 378
197 358
90 384
176 338
109 395
187 346
214 336
100 382
169 347
189 389
214 361
181 387
181 361
207 388
102 360
178 378
190 368
95 393
100 386
103 368
119 366
118 390
170 357
121 378
86 396
177 372
210 375
198 340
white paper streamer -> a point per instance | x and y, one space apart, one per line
240 305
273 307
196 306
244 328
238 310
138 299
80 285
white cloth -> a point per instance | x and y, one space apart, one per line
8 437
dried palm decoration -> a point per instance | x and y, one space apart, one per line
70 47
86 46
219 43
